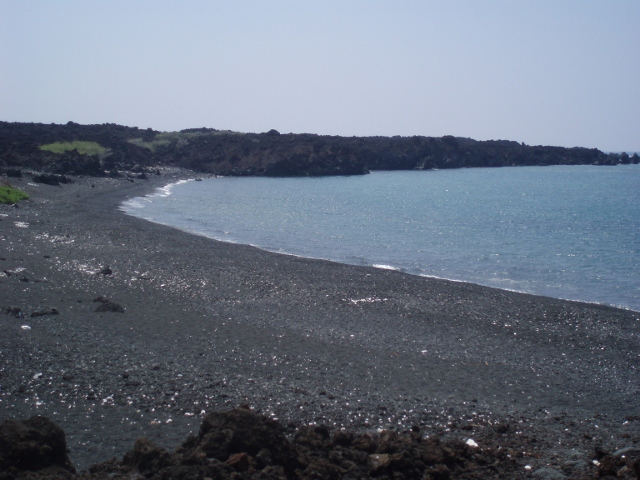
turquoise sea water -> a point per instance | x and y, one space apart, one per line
565 232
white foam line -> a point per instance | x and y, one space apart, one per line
167 189
385 267
136 203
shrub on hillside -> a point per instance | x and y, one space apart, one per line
10 195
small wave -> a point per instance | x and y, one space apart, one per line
138 203
166 190
385 267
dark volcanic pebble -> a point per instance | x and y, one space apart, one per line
210 326
108 306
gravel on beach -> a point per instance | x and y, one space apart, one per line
115 328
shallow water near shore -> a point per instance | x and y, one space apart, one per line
565 232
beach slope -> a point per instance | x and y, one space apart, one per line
116 327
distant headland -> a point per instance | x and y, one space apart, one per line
113 150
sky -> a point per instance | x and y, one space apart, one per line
560 72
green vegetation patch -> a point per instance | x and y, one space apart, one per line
153 144
10 195
84 148
180 139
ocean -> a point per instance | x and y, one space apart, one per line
570 232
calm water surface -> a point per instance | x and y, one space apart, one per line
565 232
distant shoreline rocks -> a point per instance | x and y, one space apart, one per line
110 150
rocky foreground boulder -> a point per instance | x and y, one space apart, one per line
242 445
32 445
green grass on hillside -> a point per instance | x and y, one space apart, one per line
158 141
10 195
181 139
85 148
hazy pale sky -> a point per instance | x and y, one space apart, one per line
560 72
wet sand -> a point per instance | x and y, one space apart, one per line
210 326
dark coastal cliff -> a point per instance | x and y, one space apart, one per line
267 154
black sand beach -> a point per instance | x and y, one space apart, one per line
208 326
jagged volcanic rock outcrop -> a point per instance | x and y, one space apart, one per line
240 444
131 149
32 445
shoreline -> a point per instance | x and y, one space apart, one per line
162 191
210 325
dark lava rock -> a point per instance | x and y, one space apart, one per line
271 153
248 442
239 431
108 306
74 163
50 179
32 445
46 311
12 172
15 311
106 270
625 465
242 445
147 457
